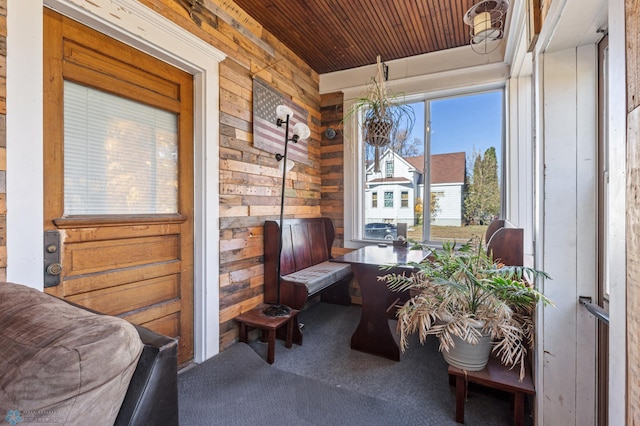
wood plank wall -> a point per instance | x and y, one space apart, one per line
332 164
249 178
3 140
632 16
332 174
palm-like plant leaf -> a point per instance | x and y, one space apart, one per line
461 291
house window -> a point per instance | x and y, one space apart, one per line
388 199
389 169
374 200
447 170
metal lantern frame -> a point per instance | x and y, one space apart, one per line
486 20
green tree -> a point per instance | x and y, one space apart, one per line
482 200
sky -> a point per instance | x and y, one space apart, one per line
463 123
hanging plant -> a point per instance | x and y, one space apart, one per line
383 114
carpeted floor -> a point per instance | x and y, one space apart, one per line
324 382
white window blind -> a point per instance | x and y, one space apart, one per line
120 156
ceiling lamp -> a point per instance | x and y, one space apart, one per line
486 20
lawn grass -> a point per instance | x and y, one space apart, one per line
448 233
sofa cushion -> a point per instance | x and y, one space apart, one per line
320 276
62 363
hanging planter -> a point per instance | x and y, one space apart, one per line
383 115
377 133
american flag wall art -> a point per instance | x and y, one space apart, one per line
267 136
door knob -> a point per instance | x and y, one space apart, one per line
54 269
52 259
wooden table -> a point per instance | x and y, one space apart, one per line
255 318
373 334
496 376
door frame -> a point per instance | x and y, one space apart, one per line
133 23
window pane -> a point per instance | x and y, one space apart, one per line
463 185
401 178
389 166
466 147
388 199
404 199
120 156
374 200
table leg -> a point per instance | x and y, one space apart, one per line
460 395
373 334
271 346
243 332
518 409
289 333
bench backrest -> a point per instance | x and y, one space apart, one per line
506 242
305 242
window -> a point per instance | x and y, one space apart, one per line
121 156
404 199
374 200
388 199
389 169
452 158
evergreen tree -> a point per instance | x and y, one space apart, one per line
482 200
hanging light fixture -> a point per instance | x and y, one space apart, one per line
300 132
486 20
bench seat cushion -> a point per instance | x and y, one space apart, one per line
318 277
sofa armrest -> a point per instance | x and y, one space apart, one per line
152 397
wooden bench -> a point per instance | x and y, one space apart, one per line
505 242
305 270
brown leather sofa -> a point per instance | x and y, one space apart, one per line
152 396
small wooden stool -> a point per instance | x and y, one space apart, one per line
255 318
497 376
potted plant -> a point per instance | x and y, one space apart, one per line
383 113
470 303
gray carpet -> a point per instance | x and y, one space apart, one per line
324 382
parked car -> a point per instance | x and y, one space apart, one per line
381 231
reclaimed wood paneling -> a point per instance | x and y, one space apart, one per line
249 178
332 175
332 164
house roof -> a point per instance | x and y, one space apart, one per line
448 168
445 168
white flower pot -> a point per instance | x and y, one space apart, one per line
466 356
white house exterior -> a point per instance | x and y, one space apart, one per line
391 193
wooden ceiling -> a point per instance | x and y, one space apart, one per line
333 35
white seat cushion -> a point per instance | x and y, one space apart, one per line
320 276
